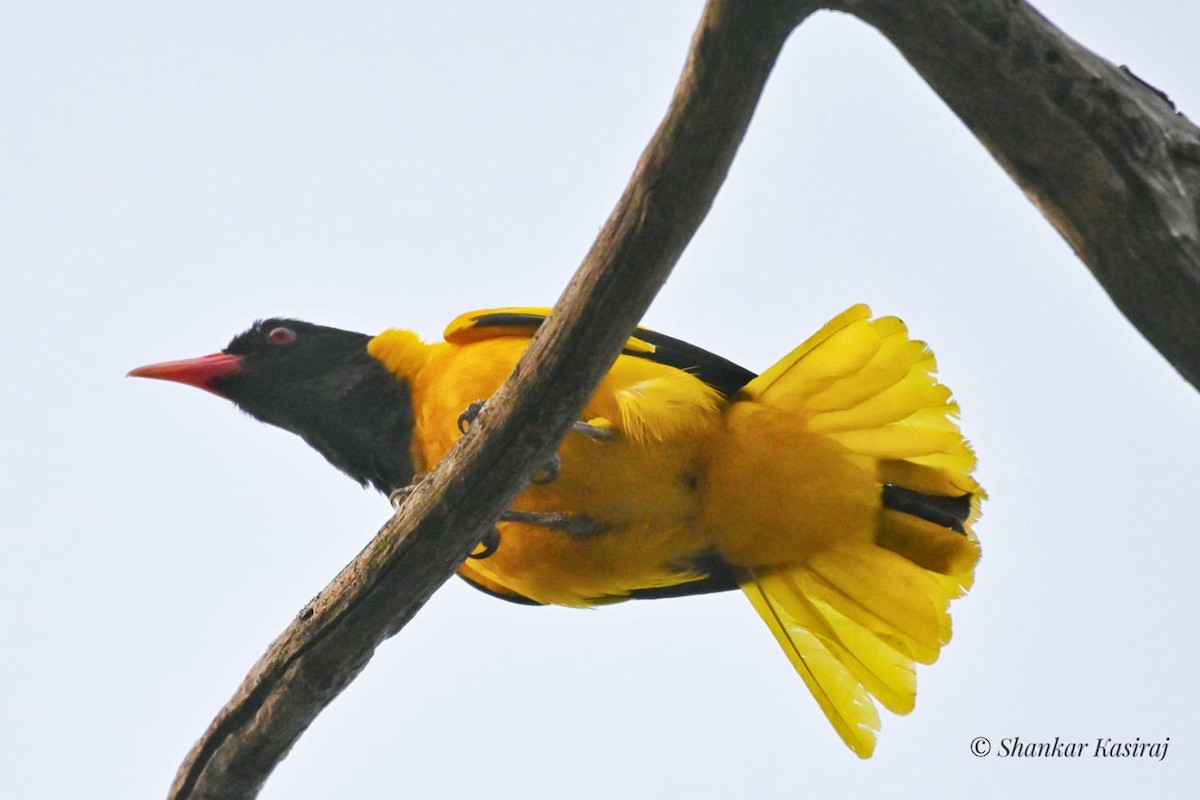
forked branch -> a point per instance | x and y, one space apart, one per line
445 517
1105 157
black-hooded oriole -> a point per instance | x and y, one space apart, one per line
834 489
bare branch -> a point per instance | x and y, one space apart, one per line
443 519
1104 156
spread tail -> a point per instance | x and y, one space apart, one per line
856 610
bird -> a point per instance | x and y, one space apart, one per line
834 489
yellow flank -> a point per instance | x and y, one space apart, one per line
782 484
646 502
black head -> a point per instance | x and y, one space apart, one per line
319 383
291 373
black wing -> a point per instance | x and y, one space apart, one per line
719 373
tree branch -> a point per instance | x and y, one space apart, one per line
445 517
1103 155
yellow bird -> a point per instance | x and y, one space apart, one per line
834 489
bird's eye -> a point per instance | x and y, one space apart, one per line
281 336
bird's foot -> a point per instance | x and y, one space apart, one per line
490 544
597 433
467 418
570 524
398 496
549 471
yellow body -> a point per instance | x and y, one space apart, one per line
782 482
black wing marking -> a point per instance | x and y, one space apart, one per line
720 373
719 576
508 595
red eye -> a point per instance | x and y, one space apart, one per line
281 336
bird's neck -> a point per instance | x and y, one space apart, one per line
370 437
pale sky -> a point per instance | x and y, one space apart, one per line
171 172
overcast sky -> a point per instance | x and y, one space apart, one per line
171 172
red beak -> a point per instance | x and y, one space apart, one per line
198 372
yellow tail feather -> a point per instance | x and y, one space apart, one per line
866 595
818 660
853 621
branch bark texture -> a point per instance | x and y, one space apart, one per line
1106 157
446 516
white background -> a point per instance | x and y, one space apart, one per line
170 172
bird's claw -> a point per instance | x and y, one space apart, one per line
468 417
398 496
490 544
549 471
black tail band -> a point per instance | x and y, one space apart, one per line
949 512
